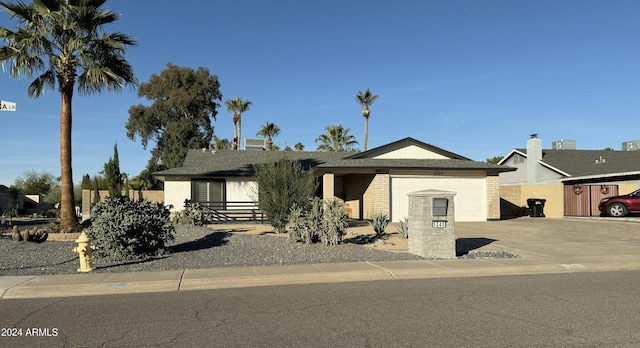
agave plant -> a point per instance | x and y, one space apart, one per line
379 223
403 230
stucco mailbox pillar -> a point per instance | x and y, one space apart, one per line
432 224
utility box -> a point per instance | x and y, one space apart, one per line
432 224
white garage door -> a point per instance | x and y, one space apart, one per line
470 199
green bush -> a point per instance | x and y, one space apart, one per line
281 184
322 221
379 223
124 229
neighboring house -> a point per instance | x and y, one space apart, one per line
572 181
374 181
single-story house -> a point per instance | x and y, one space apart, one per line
572 181
369 182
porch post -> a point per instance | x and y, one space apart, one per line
328 186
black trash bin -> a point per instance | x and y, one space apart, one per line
536 207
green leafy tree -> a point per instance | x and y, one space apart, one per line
299 146
269 130
112 174
65 41
495 159
184 103
366 99
146 179
32 182
281 184
336 138
237 106
86 182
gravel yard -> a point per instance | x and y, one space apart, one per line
194 247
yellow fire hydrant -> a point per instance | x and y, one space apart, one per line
85 252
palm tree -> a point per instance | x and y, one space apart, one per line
222 143
299 146
366 99
336 139
237 106
65 41
268 131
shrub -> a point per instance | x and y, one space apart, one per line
334 223
379 223
403 230
281 184
298 226
322 221
124 229
193 214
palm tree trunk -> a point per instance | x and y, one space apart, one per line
68 218
366 131
239 130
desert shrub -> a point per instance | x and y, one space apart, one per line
298 226
403 230
281 184
334 223
323 221
124 229
193 214
379 223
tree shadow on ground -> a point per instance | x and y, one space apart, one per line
364 239
211 240
465 245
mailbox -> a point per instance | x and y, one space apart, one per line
440 206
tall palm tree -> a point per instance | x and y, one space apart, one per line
64 40
299 146
268 131
237 106
336 138
366 99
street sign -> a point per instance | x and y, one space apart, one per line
7 106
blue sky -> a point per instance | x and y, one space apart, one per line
472 77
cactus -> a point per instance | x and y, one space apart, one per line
32 236
15 234
25 235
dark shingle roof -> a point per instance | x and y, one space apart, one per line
240 163
583 162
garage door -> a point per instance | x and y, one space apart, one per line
470 199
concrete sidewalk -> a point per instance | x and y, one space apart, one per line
544 246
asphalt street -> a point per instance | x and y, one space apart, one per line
594 309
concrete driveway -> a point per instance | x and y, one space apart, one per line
559 241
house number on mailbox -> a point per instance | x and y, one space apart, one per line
439 223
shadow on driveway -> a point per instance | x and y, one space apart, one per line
465 245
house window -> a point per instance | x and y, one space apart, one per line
208 193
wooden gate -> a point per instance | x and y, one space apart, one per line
583 199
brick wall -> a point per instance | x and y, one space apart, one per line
376 197
493 197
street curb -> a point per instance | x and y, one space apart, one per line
221 278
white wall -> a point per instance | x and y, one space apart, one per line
176 192
470 199
241 190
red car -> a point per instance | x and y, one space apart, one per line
620 205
